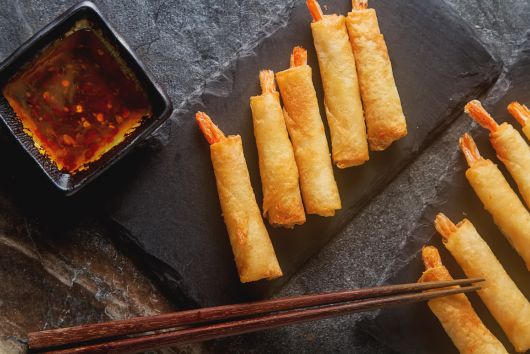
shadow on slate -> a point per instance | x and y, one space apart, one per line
414 329
167 202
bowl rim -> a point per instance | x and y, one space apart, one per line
65 182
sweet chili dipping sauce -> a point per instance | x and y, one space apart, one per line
77 99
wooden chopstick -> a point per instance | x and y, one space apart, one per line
63 336
224 329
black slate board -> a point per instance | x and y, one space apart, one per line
167 203
414 329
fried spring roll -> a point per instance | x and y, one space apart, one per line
498 198
282 202
499 293
304 124
342 99
522 114
253 252
510 146
384 116
455 313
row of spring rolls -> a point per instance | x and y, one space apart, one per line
346 78
294 159
307 162
488 182
295 172
253 251
500 294
356 73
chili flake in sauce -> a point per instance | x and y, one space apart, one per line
76 100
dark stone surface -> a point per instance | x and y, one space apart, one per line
169 202
501 25
184 43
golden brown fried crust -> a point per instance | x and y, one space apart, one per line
503 204
342 99
282 201
514 153
384 116
304 124
499 293
253 251
455 313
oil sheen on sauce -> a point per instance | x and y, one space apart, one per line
76 100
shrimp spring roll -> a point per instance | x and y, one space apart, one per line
498 198
522 114
384 116
253 252
304 124
342 99
282 202
455 313
499 293
510 146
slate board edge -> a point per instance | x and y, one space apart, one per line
168 281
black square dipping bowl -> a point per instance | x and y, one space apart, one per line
87 17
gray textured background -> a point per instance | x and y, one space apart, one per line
184 43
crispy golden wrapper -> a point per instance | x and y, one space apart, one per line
510 146
253 251
384 116
252 247
302 117
282 201
514 153
499 293
455 313
342 99
503 204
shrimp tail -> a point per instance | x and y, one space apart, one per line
210 131
299 57
444 226
315 10
476 111
520 112
266 81
431 257
470 150
359 4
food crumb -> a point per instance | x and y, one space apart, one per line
68 140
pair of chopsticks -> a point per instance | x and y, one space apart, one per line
129 336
